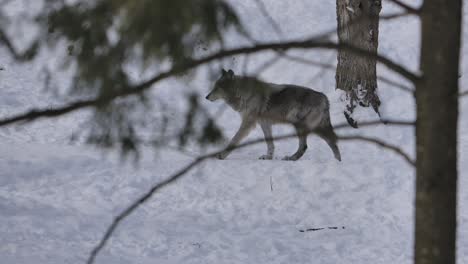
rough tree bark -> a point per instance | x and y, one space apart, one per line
436 133
358 25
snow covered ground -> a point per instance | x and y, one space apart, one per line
57 198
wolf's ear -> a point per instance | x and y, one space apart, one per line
230 74
223 72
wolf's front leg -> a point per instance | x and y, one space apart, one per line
266 127
244 129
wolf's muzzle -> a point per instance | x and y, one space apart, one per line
209 97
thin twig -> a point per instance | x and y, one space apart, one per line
377 122
407 7
271 183
270 18
269 63
305 61
393 16
332 67
380 143
395 84
27 55
321 228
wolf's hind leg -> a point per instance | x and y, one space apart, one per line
302 135
330 137
266 127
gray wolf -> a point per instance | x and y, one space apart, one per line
266 104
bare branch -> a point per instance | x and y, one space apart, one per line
139 202
465 93
306 61
269 63
27 55
377 122
381 144
42 113
321 228
395 84
182 172
407 7
394 16
270 18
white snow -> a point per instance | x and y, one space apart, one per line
57 198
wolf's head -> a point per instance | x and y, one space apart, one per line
222 86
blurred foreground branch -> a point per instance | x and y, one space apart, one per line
26 55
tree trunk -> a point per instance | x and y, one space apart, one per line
436 133
358 25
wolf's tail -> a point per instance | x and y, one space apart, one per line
326 132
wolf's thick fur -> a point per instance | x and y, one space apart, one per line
266 104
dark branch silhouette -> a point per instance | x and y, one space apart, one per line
260 69
27 55
407 7
182 172
269 17
42 113
321 228
393 16
380 143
